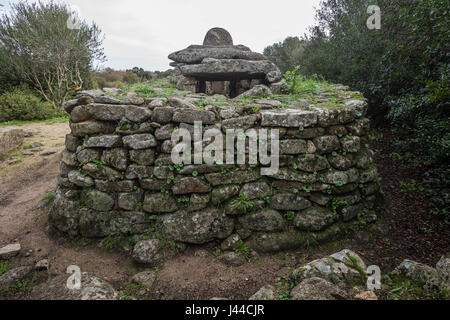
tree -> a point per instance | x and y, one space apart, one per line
41 50
286 54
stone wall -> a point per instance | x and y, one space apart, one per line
117 176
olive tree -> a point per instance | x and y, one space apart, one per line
42 48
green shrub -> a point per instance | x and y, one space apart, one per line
22 104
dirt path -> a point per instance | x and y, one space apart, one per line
25 179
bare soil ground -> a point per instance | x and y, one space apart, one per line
26 179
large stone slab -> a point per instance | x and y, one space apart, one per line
196 54
91 288
229 69
197 227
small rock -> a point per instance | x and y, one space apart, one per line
9 251
48 152
146 279
36 145
265 293
317 289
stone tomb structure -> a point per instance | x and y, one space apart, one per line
117 177
220 67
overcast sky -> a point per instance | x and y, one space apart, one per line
144 32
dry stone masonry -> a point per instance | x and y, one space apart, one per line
117 176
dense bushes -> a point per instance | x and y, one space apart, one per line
403 69
22 104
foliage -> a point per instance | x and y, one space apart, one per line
38 48
403 69
21 104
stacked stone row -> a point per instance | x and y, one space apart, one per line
117 176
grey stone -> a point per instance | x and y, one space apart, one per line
314 219
72 142
231 243
256 91
145 279
10 278
218 37
129 201
265 293
159 203
190 116
64 214
138 172
10 139
177 102
9 251
232 259
88 128
256 190
102 172
221 194
233 177
292 175
139 141
115 186
69 158
288 118
243 123
92 288
137 114
197 227
106 112
196 54
116 158
143 157
312 163
265 220
327 144
80 180
152 184
293 146
99 201
162 115
165 132
227 69
80 114
189 185
105 141
198 202
318 289
152 252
